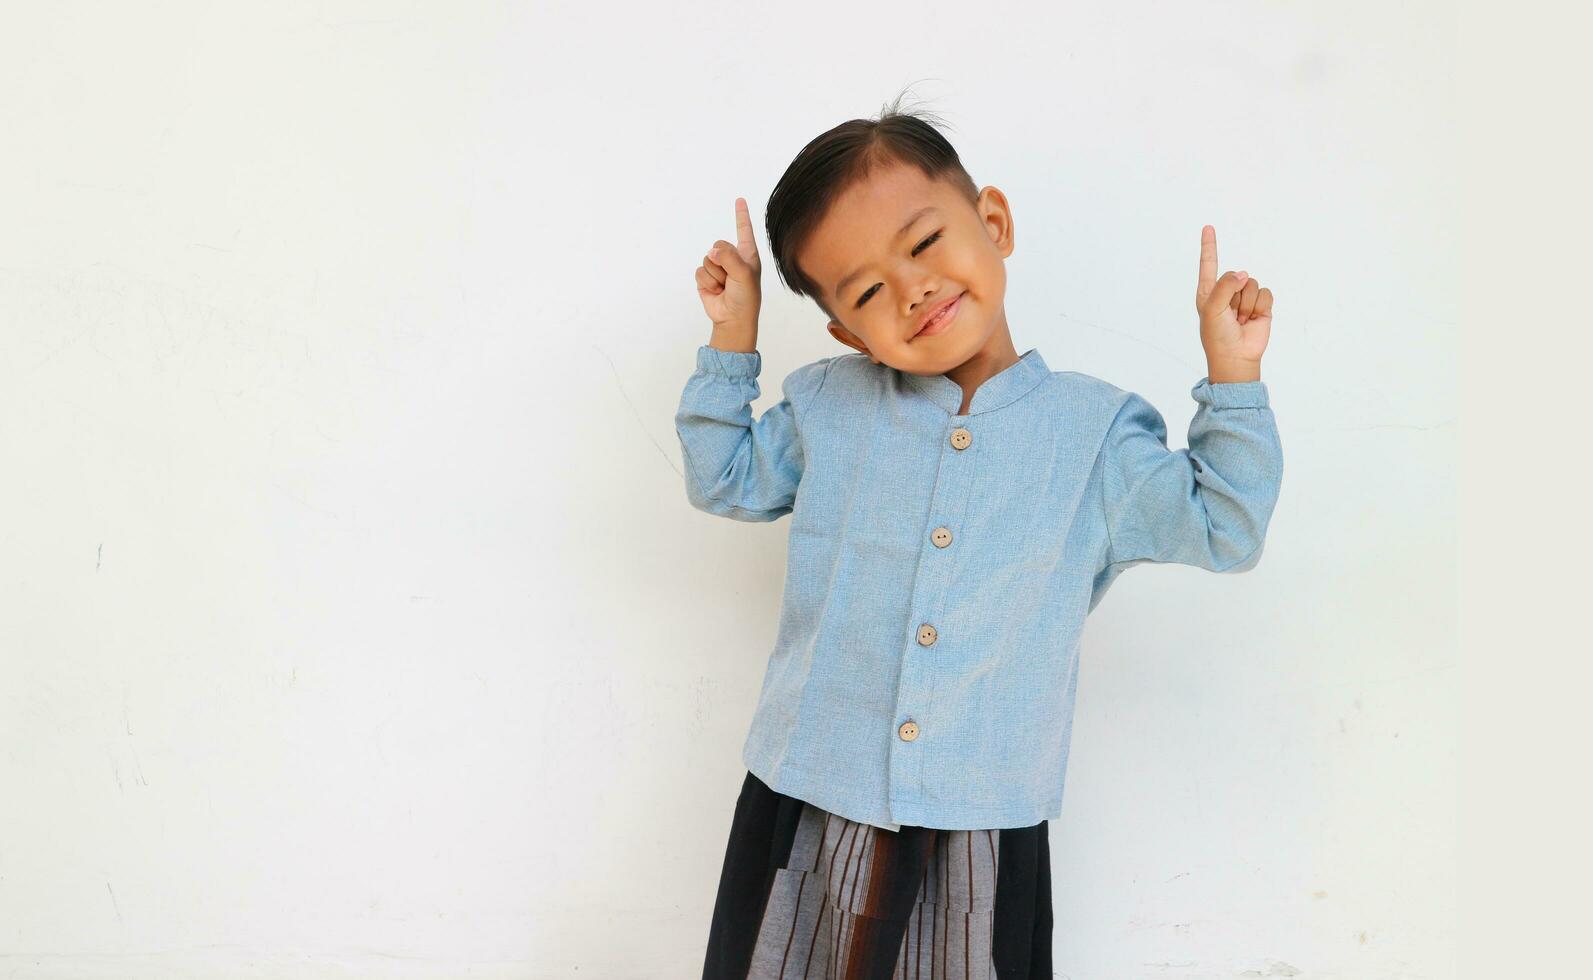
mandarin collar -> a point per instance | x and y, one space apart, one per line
999 390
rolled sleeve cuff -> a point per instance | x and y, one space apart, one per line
1231 394
729 363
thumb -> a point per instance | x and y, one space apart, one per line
1222 293
730 257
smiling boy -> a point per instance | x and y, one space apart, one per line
957 510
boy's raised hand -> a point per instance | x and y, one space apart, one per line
727 281
1235 312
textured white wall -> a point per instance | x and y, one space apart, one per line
353 621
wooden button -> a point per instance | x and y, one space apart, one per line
941 536
926 635
961 438
908 731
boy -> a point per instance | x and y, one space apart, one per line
957 510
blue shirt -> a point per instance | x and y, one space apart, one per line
941 565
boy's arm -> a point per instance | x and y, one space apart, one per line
736 466
1208 505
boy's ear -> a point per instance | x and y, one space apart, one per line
848 338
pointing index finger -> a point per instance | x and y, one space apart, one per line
744 226
1208 255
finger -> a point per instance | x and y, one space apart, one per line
1222 293
1264 302
1208 257
707 276
744 238
714 269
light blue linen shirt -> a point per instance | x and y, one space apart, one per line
940 566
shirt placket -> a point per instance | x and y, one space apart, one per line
914 734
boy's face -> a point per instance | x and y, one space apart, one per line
902 274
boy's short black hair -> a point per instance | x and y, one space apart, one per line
838 158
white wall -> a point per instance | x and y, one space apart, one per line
353 620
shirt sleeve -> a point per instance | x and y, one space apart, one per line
1208 505
736 466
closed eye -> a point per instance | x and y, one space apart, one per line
921 246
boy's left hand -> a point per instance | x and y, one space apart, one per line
1235 316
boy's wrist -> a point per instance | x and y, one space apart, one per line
735 339
1232 371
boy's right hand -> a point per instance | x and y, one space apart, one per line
728 283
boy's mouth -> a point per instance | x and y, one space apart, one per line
939 319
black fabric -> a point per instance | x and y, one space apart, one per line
761 832
1022 943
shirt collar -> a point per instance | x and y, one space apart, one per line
1001 389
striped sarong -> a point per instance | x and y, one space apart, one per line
808 895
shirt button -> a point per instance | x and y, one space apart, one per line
961 438
941 536
926 635
908 731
